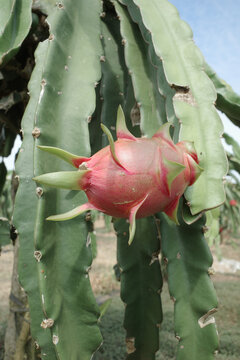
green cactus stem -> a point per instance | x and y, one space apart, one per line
141 284
15 29
55 257
188 260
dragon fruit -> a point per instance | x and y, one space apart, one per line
131 178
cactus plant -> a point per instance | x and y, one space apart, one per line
227 100
98 56
15 20
53 321
189 261
141 285
230 210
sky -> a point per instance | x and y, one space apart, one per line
216 31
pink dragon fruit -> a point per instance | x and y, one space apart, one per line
131 178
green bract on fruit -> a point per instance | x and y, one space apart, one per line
131 178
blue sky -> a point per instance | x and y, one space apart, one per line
216 31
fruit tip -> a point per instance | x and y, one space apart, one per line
50 218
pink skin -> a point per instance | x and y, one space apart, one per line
116 189
131 178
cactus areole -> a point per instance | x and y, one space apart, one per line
131 178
